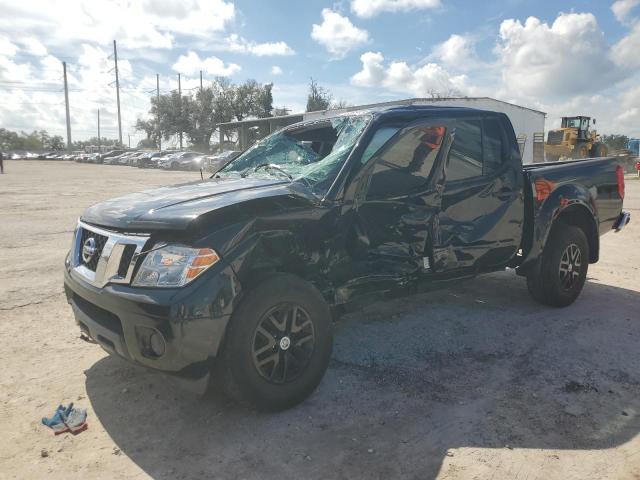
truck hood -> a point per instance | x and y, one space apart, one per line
175 207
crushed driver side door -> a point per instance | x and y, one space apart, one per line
396 199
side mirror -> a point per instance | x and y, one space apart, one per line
594 121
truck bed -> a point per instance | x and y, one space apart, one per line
589 186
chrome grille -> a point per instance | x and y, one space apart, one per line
100 241
125 261
114 259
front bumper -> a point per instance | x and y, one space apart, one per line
191 320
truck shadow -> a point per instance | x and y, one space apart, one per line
411 380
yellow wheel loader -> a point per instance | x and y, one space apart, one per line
574 139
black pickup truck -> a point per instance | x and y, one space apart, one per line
237 279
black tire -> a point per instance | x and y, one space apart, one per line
599 150
266 387
581 150
554 281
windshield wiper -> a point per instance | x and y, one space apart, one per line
271 166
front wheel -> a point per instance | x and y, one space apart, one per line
581 151
599 150
559 276
278 345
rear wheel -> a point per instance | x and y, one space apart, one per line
278 345
558 278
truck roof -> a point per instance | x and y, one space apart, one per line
411 110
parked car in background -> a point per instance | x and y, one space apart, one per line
79 155
213 163
145 161
113 160
134 159
103 156
151 160
180 161
125 158
122 159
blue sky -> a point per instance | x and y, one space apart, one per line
562 57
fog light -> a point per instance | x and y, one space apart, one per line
156 342
151 341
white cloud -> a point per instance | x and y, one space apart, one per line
625 52
371 8
41 104
148 24
564 58
33 46
7 48
400 77
622 8
457 51
276 70
237 44
191 63
337 34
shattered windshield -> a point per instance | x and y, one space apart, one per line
311 153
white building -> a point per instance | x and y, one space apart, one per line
527 123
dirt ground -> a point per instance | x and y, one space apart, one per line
473 382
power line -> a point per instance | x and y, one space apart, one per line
20 82
30 89
33 55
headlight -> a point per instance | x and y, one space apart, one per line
174 266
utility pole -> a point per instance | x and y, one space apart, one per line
115 57
200 81
66 104
129 135
180 108
99 138
158 111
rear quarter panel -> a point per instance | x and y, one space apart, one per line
587 184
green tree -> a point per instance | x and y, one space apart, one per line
81 144
199 113
8 140
202 118
318 98
264 101
55 143
615 141
150 128
147 143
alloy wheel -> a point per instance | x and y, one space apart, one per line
283 343
570 266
